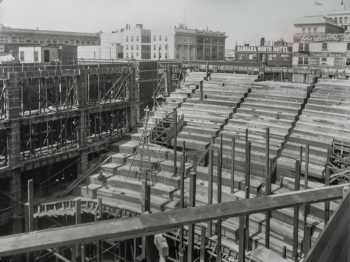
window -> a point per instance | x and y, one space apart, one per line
154 47
132 38
166 38
21 55
160 38
301 47
323 60
303 29
315 29
166 47
324 46
154 56
46 56
340 20
306 47
347 61
345 20
348 46
137 38
303 60
336 20
36 56
300 60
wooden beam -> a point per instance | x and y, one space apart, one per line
203 244
182 200
160 222
193 189
210 182
233 164
267 185
296 212
175 143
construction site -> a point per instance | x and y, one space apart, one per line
167 161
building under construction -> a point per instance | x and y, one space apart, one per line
165 161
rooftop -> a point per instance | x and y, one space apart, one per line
307 20
7 29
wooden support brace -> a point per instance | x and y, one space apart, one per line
182 202
242 240
247 185
219 199
296 212
175 142
203 243
267 186
327 203
210 183
29 211
193 182
201 90
233 164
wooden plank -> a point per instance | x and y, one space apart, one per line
159 222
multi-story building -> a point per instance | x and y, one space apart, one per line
136 42
278 53
163 45
321 45
194 44
28 40
183 43
341 18
110 49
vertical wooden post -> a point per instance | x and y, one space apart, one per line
307 160
201 90
147 196
307 238
29 214
242 240
219 198
77 221
182 201
210 182
233 164
267 185
202 248
307 229
99 244
247 185
175 142
327 203
82 252
296 212
30 206
193 181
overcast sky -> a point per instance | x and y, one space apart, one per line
242 20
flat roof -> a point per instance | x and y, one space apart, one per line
312 20
7 29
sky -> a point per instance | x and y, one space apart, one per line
242 20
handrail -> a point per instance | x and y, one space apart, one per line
160 222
